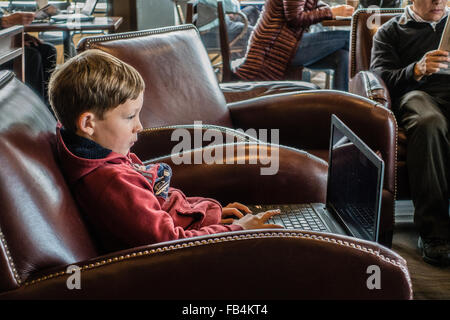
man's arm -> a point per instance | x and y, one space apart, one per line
17 18
386 62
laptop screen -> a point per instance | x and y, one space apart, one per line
89 7
355 180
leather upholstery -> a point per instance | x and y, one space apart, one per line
370 85
365 23
42 231
303 118
237 91
40 226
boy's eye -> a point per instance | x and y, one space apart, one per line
131 117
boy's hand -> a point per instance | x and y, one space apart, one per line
258 221
233 210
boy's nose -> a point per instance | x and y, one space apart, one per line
139 126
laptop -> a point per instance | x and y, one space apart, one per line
354 189
445 45
86 13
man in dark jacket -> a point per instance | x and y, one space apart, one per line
405 54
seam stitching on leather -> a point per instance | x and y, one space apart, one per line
196 243
9 257
130 35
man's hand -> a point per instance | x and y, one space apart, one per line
431 63
258 221
342 11
17 18
233 210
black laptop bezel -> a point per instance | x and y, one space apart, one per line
372 156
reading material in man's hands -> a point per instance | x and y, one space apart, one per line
445 45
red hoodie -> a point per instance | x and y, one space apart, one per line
120 204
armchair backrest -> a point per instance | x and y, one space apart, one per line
40 225
365 23
181 86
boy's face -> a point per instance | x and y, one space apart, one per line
119 127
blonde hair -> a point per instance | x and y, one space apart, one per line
92 81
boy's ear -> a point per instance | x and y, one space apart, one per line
86 123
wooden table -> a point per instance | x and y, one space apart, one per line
99 23
337 23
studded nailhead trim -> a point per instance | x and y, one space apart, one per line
9 257
353 33
135 34
196 243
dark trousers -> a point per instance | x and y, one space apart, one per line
426 121
40 61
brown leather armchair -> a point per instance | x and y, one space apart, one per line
42 231
181 88
368 84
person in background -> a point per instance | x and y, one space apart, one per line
280 40
40 57
405 55
208 24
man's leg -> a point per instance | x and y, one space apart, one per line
427 130
325 49
338 61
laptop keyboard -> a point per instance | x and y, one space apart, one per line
293 216
364 216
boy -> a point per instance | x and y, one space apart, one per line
97 99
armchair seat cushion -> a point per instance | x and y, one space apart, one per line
237 91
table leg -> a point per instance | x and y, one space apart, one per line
67 43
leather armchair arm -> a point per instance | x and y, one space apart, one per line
286 175
238 91
319 266
157 142
303 120
369 85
